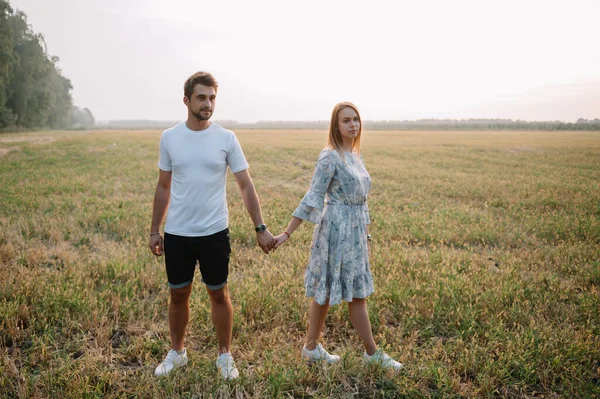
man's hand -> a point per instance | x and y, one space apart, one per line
265 240
156 244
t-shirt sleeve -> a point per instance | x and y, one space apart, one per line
235 157
164 160
312 204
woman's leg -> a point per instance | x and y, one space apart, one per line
316 322
359 316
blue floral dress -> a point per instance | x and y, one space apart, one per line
338 268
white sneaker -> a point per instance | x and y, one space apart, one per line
172 361
383 360
319 354
226 366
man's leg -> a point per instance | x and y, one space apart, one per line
180 265
222 316
179 315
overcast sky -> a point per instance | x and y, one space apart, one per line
284 60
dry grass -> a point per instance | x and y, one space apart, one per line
485 257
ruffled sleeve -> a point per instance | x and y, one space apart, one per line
312 204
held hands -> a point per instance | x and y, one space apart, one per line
274 243
265 240
280 239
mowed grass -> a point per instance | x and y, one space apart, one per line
485 255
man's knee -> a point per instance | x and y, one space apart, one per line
181 295
220 296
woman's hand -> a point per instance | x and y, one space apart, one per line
280 239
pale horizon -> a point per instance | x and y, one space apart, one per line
527 60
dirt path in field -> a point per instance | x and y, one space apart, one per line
28 139
22 139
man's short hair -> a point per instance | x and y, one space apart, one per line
203 78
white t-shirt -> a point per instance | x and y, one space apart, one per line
198 161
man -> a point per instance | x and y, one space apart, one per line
194 157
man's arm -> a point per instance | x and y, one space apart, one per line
162 196
250 197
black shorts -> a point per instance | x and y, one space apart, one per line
212 252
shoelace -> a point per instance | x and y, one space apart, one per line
321 351
172 356
228 361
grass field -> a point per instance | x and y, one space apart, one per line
485 255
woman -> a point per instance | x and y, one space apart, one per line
338 268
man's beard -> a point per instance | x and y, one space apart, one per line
201 117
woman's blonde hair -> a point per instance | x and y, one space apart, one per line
335 140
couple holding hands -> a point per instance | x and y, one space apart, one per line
193 162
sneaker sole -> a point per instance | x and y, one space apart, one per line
229 377
170 372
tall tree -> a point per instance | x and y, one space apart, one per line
31 98
62 102
7 61
33 91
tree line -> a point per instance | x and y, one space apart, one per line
33 91
421 124
429 124
483 124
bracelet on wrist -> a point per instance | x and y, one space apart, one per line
287 234
155 233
